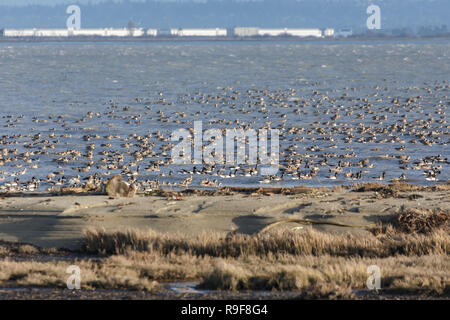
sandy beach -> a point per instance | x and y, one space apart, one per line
261 243
59 221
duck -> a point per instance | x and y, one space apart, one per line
381 177
333 177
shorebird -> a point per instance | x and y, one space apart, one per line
333 177
381 177
336 128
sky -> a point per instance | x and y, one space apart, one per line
58 2
46 2
225 13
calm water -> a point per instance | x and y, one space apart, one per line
50 88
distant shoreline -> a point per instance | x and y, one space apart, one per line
218 39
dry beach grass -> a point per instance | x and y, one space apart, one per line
410 244
307 242
316 264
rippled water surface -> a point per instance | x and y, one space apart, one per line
389 97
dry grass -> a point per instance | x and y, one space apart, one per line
307 242
315 276
94 275
326 275
318 265
23 249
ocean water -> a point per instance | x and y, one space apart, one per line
155 88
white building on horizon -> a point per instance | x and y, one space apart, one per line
99 32
211 32
277 32
246 31
329 32
151 32
178 32
316 33
271 32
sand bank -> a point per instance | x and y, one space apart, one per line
59 221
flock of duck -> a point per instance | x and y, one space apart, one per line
326 138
